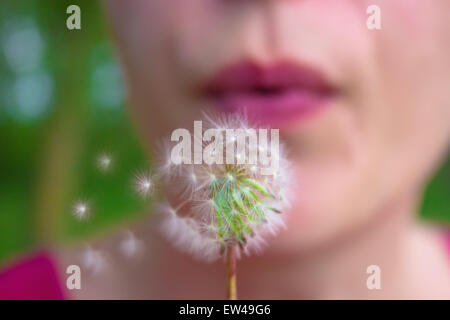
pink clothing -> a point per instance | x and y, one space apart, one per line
33 278
447 241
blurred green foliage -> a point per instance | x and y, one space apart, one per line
61 106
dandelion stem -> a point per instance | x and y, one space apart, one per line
231 271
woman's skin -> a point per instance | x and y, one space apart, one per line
361 163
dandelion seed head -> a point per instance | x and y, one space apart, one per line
226 203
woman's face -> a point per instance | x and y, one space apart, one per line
364 113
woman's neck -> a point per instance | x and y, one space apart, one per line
338 270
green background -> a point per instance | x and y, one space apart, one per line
61 105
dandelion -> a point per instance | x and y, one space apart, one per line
229 208
81 210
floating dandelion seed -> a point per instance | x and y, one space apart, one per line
81 210
130 246
143 184
93 260
104 162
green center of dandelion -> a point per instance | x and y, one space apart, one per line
240 204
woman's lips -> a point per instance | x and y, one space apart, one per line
276 95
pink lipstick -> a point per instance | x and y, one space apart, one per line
275 95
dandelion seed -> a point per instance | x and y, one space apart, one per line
104 162
130 246
93 260
81 210
143 185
